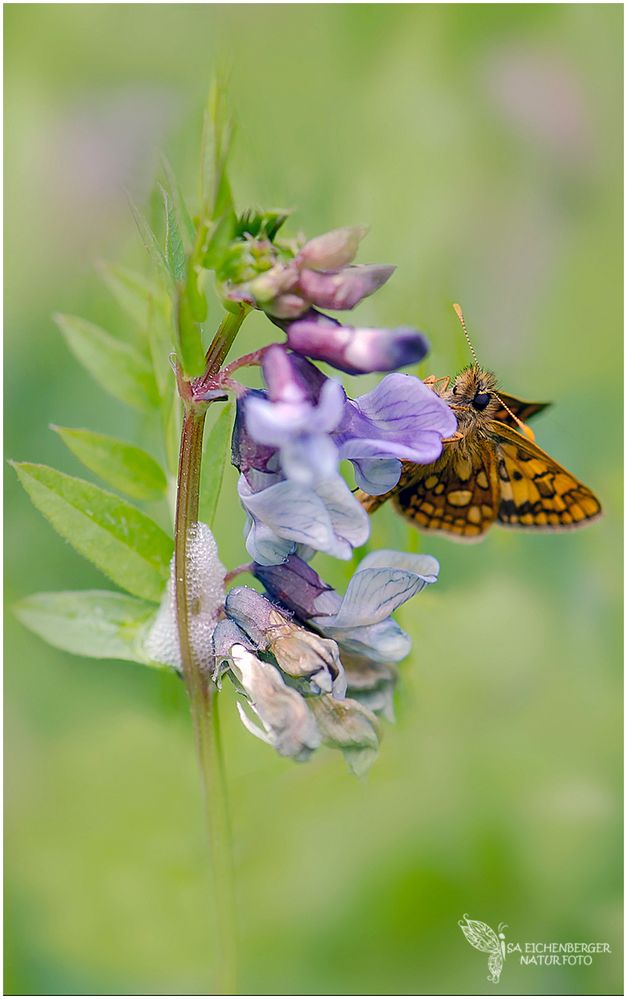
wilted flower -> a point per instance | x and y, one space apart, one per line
294 682
291 675
286 722
295 725
360 622
301 654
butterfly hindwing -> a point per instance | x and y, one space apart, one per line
535 491
457 495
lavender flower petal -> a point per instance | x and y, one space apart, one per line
385 642
291 510
276 423
400 420
379 586
327 518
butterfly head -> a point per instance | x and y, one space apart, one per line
472 396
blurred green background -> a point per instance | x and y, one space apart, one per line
483 145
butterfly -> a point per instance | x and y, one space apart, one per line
482 937
490 471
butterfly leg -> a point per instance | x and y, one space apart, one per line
457 436
434 383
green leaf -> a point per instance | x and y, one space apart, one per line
118 367
149 239
118 538
216 143
189 339
136 294
218 240
95 623
176 195
194 289
174 249
121 465
161 340
214 462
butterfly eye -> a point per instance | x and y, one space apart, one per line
481 400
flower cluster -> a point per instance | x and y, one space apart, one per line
290 439
291 282
312 666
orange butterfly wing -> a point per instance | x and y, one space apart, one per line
535 491
457 495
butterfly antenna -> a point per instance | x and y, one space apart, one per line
460 316
527 431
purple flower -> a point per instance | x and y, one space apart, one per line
291 421
286 516
359 621
356 351
400 420
288 442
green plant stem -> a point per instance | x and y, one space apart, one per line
223 340
201 690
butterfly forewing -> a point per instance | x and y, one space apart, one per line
535 491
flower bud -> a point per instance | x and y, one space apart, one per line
276 281
357 351
288 306
344 289
333 249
